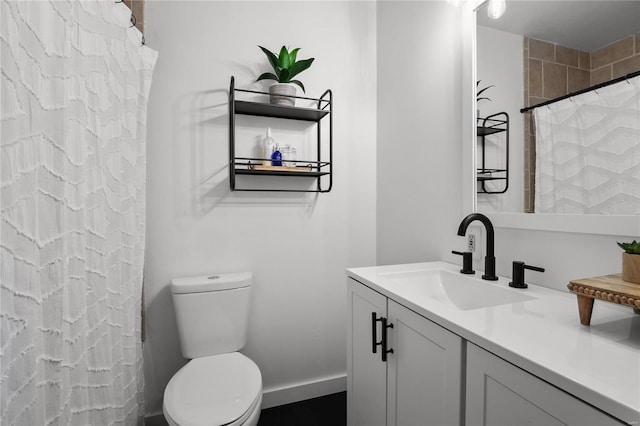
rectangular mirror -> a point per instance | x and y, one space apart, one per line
536 52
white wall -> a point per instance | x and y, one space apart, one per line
297 245
500 63
419 132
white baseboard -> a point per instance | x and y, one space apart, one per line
306 390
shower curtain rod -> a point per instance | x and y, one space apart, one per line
588 89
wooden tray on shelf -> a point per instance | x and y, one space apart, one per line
610 288
281 168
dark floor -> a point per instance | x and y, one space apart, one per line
330 410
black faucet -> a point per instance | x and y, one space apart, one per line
518 274
489 259
467 262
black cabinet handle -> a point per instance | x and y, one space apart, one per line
374 333
385 351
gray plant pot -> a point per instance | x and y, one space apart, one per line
277 90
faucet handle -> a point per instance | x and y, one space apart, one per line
467 262
518 273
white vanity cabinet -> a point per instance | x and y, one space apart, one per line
499 393
471 352
420 381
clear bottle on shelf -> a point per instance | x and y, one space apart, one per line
269 145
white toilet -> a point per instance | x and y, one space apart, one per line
219 386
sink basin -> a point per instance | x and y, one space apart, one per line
463 291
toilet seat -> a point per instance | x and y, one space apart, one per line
220 389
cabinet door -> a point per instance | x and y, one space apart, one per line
424 371
366 373
499 393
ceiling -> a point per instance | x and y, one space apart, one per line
581 24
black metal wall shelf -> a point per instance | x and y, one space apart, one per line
280 111
319 168
486 131
489 174
276 173
492 125
245 166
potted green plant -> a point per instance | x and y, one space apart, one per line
479 93
631 261
285 67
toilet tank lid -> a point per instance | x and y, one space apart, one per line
212 282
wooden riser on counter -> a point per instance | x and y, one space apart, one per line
610 288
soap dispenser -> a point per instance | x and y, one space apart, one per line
268 145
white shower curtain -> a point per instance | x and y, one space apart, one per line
74 85
588 152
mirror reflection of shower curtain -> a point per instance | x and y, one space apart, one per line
588 152
74 83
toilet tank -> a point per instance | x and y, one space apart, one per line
212 313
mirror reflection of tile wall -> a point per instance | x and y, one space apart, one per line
137 8
552 70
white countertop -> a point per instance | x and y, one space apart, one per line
599 364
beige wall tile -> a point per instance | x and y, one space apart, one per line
528 141
532 162
626 66
638 43
554 80
584 60
612 53
530 177
577 79
532 128
137 8
527 207
567 56
535 77
533 100
532 157
601 75
539 49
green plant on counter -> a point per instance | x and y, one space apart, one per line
285 66
631 248
481 91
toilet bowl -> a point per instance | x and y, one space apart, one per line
215 390
219 385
